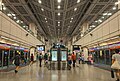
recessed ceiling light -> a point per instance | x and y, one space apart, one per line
18 21
78 1
118 2
114 8
9 14
96 21
58 21
59 7
13 14
21 21
45 18
75 9
42 9
103 17
105 13
70 21
72 18
14 18
59 1
4 8
109 14
58 14
40 1
24 26
58 24
46 21
100 20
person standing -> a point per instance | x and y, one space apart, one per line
40 59
32 59
74 59
17 62
116 57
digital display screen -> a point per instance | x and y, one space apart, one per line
64 55
54 55
41 48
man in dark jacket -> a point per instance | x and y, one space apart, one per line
17 62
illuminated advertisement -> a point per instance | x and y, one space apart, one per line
64 55
54 55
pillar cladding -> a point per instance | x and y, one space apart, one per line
1 4
119 4
33 27
32 51
85 52
85 26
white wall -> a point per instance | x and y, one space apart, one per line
109 28
10 29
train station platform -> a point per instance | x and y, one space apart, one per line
34 73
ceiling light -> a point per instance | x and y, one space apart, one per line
42 9
70 21
9 14
78 1
59 14
103 17
96 21
3 4
59 1
58 22
105 13
75 9
109 14
72 18
46 21
118 2
24 26
81 35
18 21
21 21
13 14
59 7
45 18
100 20
14 18
114 8
93 25
40 1
4 8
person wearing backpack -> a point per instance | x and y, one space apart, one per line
40 59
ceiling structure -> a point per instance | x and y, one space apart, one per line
59 19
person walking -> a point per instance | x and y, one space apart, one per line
17 62
73 59
116 58
40 59
32 59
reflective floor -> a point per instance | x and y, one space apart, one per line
34 73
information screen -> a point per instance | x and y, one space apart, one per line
54 55
64 55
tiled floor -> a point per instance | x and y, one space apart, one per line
35 73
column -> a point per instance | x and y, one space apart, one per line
0 4
32 51
33 27
85 27
85 52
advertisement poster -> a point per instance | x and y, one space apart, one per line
64 55
54 55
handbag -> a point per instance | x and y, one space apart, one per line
115 65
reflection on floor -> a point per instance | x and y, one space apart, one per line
34 73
